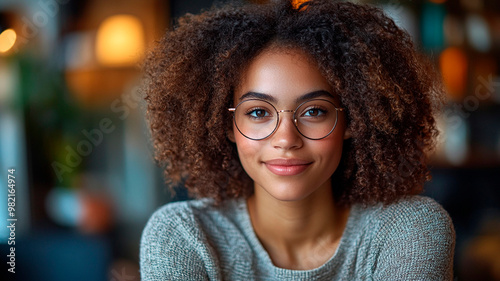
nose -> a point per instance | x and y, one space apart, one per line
286 135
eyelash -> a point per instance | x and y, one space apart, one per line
252 110
315 107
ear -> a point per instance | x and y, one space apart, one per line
230 136
347 134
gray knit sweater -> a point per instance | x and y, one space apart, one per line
413 239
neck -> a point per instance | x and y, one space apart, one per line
291 230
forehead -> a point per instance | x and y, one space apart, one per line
284 74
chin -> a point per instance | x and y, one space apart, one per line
288 193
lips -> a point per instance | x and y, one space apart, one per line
287 167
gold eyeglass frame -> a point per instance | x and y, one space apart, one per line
295 120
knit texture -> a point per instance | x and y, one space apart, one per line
412 239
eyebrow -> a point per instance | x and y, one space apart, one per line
255 95
269 98
313 95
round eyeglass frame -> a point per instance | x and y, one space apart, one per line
295 120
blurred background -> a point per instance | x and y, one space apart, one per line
72 131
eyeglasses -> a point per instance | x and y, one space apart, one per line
258 119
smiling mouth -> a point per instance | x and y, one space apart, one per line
287 167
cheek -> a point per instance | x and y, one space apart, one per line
247 149
248 152
330 147
330 150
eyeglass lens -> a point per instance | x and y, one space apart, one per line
258 119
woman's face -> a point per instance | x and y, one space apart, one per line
287 165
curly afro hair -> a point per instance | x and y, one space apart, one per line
390 92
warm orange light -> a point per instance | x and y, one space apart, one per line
120 41
296 3
7 40
453 65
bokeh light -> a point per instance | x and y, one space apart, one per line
7 40
120 41
453 65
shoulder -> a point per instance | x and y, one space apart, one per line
415 214
415 211
175 217
181 212
172 237
195 215
183 220
414 238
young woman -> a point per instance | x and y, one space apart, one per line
303 132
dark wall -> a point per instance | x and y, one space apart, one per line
181 7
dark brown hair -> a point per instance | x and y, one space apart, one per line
390 93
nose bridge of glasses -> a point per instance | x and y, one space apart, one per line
289 111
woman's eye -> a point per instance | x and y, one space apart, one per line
314 112
258 113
